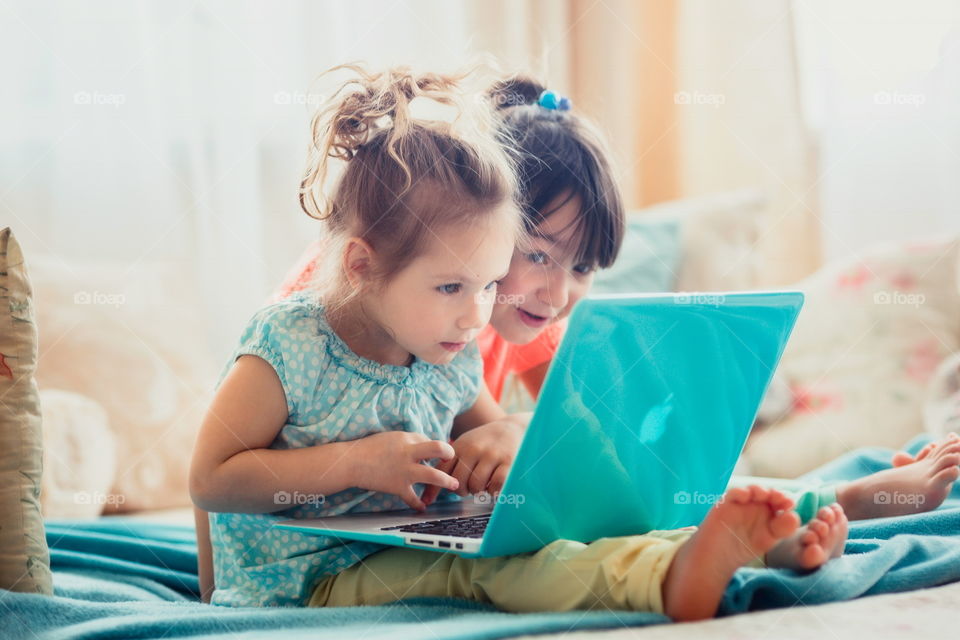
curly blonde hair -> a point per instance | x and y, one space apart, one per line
405 178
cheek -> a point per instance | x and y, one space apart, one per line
404 306
578 289
523 280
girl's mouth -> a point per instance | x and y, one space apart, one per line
453 346
532 320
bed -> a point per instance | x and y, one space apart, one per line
135 577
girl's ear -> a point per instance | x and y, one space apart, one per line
358 258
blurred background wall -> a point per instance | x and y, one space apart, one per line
174 133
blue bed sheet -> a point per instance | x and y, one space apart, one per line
123 578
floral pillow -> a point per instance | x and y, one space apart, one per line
871 335
24 557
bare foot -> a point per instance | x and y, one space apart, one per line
814 543
914 485
902 458
745 524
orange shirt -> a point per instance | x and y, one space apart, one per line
501 358
299 277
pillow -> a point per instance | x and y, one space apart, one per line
719 235
79 456
125 337
871 334
941 411
647 259
24 557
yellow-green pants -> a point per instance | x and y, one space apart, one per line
624 573
612 573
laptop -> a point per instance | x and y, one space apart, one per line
643 414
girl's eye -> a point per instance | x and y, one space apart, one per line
492 285
449 289
583 269
538 257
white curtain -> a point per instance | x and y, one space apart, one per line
176 131
881 87
741 123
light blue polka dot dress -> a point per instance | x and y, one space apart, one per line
332 395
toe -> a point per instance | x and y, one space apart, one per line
947 476
780 501
902 458
737 495
951 460
820 527
785 523
923 453
840 514
949 450
758 493
826 514
812 556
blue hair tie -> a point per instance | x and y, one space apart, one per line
555 101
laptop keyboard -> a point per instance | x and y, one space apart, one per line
467 527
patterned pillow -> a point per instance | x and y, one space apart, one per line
24 557
872 333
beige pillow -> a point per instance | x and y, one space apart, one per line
126 338
718 238
24 557
79 456
941 412
871 335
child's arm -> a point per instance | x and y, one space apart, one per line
483 411
233 470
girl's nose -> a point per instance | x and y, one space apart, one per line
555 291
476 316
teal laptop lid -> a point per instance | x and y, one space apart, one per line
643 414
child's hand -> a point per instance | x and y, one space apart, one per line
483 458
391 462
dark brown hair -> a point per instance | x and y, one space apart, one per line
405 178
561 155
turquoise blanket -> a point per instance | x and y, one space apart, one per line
122 578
